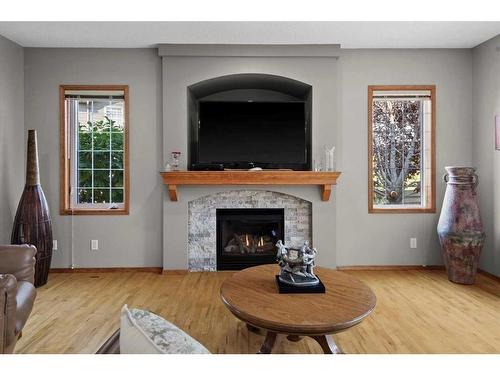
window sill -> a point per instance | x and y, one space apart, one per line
402 210
95 211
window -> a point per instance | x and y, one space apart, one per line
94 150
401 155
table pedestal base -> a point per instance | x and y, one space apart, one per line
326 342
268 344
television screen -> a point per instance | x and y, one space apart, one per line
259 132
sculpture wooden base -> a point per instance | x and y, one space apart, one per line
285 288
326 342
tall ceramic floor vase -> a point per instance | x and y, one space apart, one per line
460 228
32 224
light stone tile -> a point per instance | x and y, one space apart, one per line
202 224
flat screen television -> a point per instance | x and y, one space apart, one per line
270 135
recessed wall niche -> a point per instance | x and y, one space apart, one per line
271 112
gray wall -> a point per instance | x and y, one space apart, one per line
349 235
486 103
134 240
180 72
383 239
11 133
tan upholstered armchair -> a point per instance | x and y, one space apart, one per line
17 293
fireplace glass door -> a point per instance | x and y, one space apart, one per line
247 237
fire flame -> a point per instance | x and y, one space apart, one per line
260 242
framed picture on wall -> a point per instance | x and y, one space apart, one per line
497 132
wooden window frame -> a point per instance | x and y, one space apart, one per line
431 207
65 155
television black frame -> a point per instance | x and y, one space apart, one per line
258 88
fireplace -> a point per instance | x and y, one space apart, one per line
247 237
203 224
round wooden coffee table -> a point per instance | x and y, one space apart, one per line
252 296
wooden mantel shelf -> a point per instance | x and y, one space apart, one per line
324 180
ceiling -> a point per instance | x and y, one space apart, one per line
347 34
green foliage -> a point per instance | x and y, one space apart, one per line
85 195
85 178
117 141
117 160
117 195
101 196
101 141
85 141
101 178
100 161
85 160
116 178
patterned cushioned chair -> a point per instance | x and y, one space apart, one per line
111 345
143 332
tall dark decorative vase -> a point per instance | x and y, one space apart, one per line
32 224
460 228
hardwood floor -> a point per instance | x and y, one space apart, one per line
418 311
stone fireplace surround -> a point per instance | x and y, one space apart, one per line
186 246
189 227
202 221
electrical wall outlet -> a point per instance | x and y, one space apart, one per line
54 245
413 243
94 245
